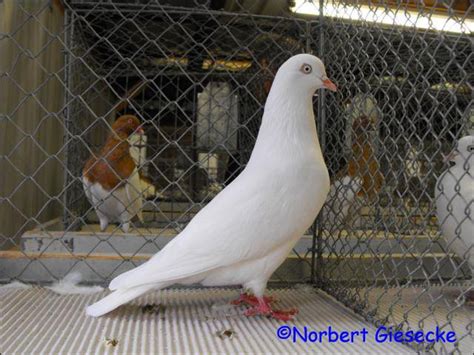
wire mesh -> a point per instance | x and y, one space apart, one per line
197 74
405 99
196 78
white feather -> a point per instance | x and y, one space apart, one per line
454 194
116 299
70 285
15 285
134 195
248 229
119 205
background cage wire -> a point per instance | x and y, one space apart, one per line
197 74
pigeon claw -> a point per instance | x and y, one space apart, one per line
263 308
285 315
251 300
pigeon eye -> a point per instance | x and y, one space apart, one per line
306 68
470 148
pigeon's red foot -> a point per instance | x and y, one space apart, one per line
263 308
251 300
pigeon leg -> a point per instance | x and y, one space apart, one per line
264 309
125 227
125 221
251 300
104 221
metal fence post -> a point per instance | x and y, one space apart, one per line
321 120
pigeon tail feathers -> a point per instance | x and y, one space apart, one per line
119 297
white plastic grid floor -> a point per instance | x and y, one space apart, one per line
35 320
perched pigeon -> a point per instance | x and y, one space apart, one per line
454 194
248 229
364 161
111 180
340 200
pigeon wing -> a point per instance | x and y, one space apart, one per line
227 231
454 196
134 198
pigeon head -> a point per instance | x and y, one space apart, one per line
127 125
307 71
464 151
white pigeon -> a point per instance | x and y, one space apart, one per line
340 200
249 228
454 194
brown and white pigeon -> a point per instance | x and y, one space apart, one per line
249 228
111 180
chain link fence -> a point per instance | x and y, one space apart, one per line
196 74
405 99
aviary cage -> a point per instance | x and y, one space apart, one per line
197 75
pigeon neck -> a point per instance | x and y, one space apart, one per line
115 147
288 125
464 164
118 135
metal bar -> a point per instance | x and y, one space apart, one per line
322 139
69 25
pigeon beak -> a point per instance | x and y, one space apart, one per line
450 157
328 84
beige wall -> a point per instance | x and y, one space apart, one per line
31 131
